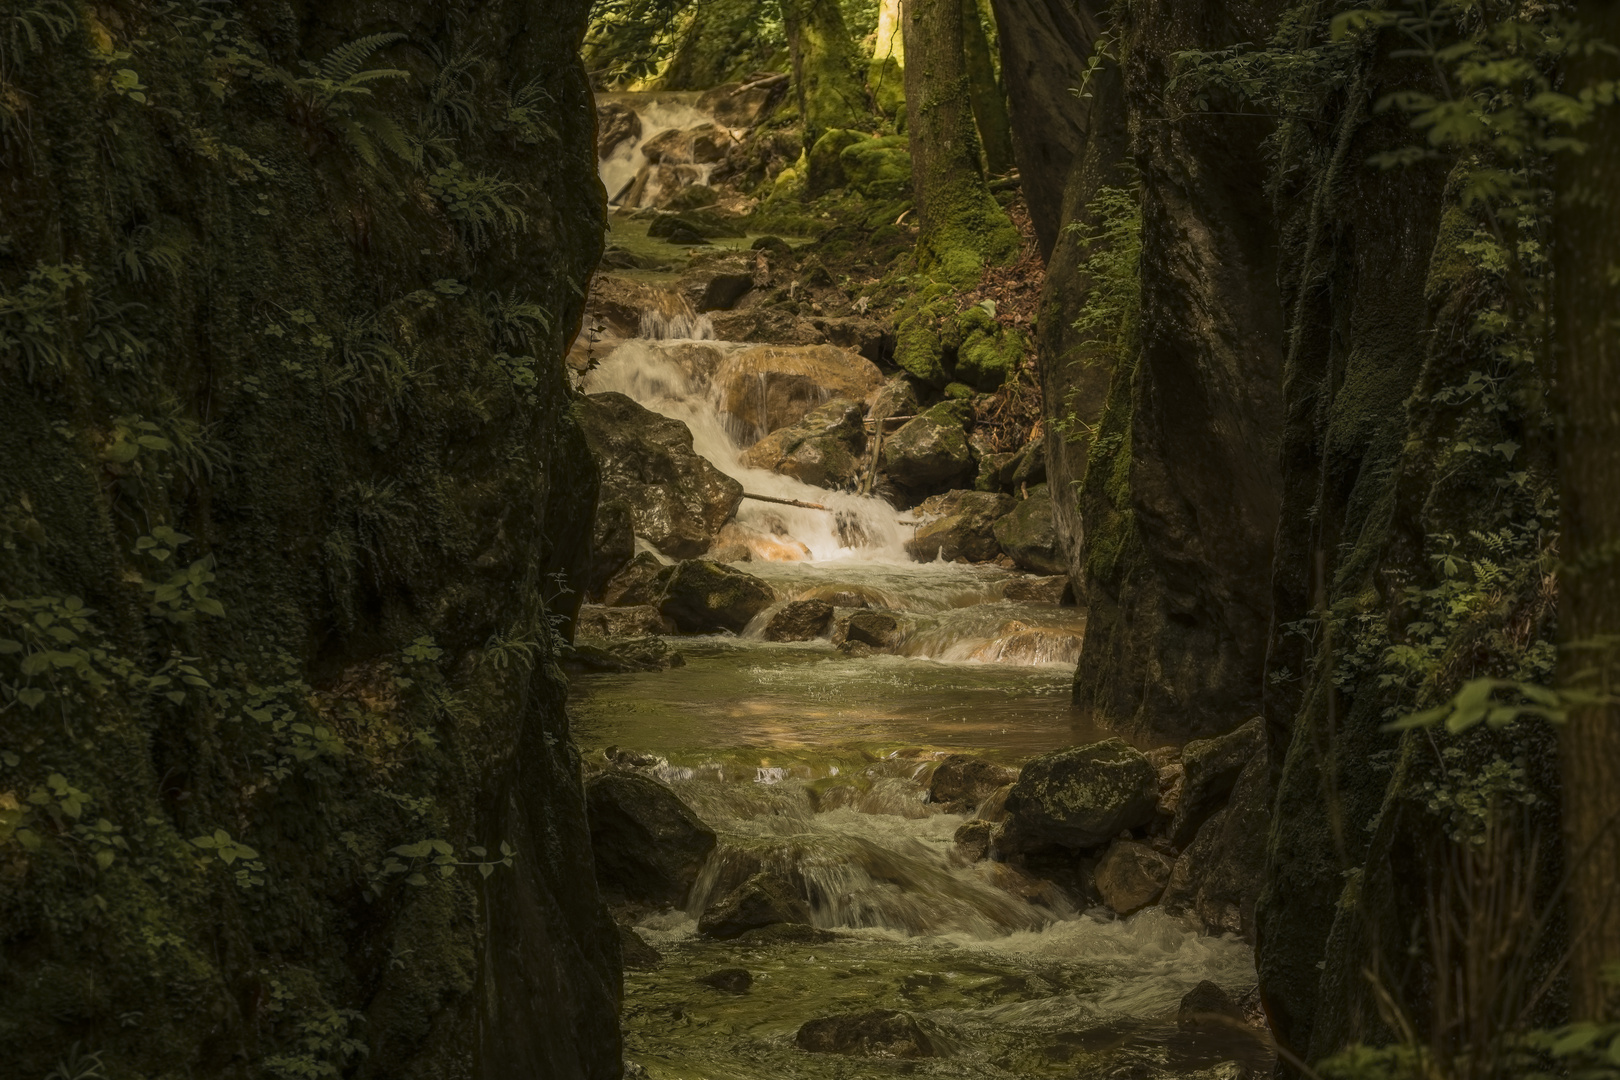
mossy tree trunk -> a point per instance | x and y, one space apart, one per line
1588 313
989 105
825 68
963 228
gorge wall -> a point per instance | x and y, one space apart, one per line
293 510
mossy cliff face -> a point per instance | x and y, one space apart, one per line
293 502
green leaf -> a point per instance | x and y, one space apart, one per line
31 696
104 858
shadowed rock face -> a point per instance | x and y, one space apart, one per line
1080 798
648 845
703 596
677 500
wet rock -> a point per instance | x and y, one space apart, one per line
866 336
1032 645
715 282
962 781
1130 876
881 1033
738 543
1029 467
617 303
855 650
802 620
897 397
672 147
703 596
879 169
706 223
648 844
643 620
973 840
763 900
637 954
639 584
878 629
1081 798
615 123
693 197
1038 590
770 387
613 544
626 655
1207 1003
738 105
730 980
930 452
1217 879
967 529
1212 767
1029 534
771 325
994 806
677 500
822 449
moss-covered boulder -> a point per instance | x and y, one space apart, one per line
826 160
965 528
879 169
824 448
1029 534
705 222
703 597
919 349
647 843
930 452
678 501
1080 798
766 899
987 354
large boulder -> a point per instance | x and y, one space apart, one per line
613 544
677 500
1217 878
616 123
878 629
1080 798
1029 534
881 1033
771 387
703 222
717 281
879 169
1130 876
642 620
931 452
1210 771
640 583
768 324
1038 590
822 449
763 900
802 620
961 781
620 305
647 843
703 596
966 529
826 166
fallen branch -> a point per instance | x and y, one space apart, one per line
786 502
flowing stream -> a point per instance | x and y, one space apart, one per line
815 762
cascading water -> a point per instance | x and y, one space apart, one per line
812 764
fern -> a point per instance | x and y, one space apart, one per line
526 109
513 321
480 203
27 29
452 95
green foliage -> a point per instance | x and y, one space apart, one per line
34 319
29 26
630 39
481 204
78 1065
1111 242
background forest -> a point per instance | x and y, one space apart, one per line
1308 310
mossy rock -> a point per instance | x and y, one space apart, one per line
931 452
919 349
826 167
1029 534
704 223
879 168
693 197
703 596
959 391
1081 798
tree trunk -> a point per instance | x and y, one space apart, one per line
1587 298
989 106
885 77
963 228
831 94
1045 45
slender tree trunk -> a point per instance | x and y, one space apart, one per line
825 68
989 106
963 228
885 76
1587 290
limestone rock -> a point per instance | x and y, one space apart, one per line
637 954
962 781
1212 768
1038 590
704 596
615 123
1130 876
897 397
1217 878
768 324
730 980
678 501
826 167
647 843
706 223
1208 1003
823 448
763 900
930 452
1081 798
802 620
878 629
613 543
866 336
618 303
882 1033
716 282
771 387
1029 534
643 620
639 584
967 529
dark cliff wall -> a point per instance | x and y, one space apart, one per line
292 504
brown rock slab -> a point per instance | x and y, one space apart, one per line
801 620
763 900
1131 876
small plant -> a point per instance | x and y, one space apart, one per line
479 203
78 1065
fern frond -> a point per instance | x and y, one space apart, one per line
345 60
